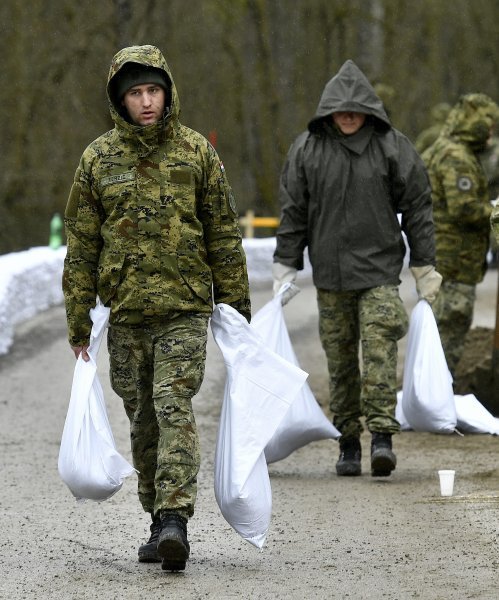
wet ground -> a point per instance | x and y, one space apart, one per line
383 538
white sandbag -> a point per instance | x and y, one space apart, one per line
473 417
427 394
259 389
89 463
305 421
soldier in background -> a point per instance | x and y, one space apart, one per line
427 137
152 229
345 182
461 211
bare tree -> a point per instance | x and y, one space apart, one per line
251 70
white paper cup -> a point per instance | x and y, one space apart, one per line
446 482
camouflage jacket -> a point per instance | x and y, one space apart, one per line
461 208
151 221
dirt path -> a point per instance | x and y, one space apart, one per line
329 537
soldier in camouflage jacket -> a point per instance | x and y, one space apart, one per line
152 230
461 210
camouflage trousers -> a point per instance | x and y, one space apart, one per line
376 318
453 310
156 370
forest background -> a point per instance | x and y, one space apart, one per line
249 75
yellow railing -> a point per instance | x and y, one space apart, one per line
249 222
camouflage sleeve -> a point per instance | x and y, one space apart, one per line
223 238
494 222
84 244
462 189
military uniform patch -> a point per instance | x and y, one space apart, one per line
464 184
128 176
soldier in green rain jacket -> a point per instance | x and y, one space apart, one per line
346 182
461 211
152 230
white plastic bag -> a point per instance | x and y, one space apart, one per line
89 463
427 394
399 413
473 417
305 420
259 390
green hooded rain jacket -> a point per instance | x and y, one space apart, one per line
342 196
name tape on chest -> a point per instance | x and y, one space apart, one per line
119 178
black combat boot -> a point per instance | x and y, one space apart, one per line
383 460
148 552
173 547
350 455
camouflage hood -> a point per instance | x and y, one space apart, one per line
471 120
349 90
148 56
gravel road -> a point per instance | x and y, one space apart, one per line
330 537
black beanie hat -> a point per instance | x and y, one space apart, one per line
136 74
